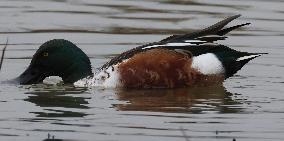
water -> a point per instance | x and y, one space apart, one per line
248 107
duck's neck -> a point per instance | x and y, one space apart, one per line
75 73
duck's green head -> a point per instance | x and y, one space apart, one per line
57 57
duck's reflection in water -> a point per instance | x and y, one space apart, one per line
58 101
68 101
183 100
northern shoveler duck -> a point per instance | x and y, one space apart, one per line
177 61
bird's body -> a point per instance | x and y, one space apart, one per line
157 68
177 61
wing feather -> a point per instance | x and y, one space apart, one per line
198 42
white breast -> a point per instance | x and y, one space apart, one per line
108 78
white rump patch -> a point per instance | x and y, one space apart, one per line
247 57
208 64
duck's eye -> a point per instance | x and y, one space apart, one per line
45 54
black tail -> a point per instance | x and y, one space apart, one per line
233 66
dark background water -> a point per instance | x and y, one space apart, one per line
248 107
